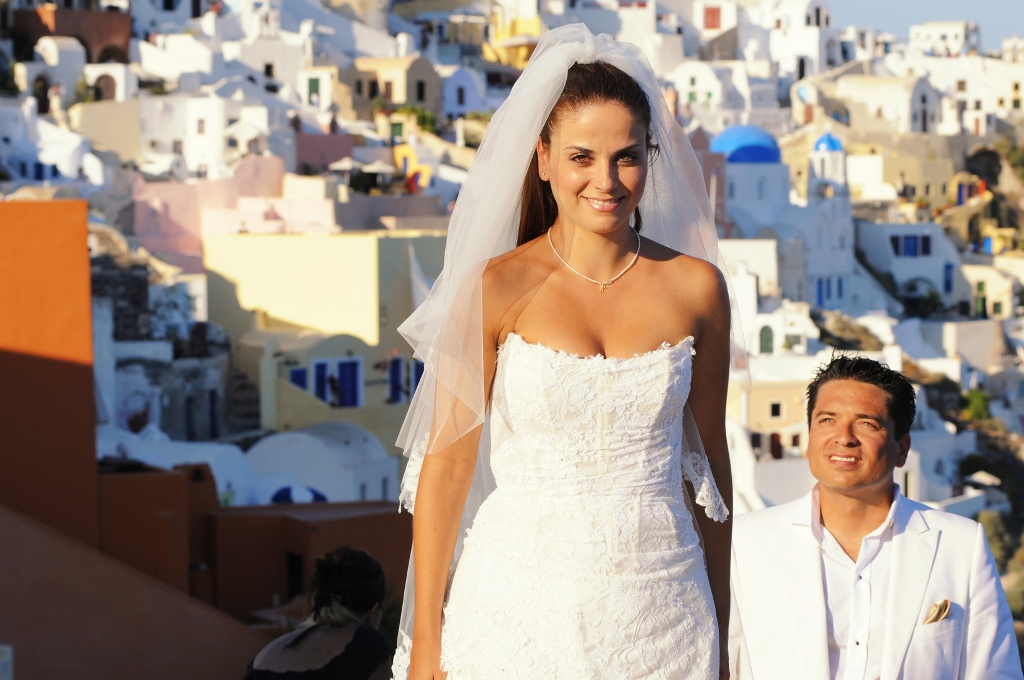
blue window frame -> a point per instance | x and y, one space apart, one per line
895 241
321 375
909 246
828 288
396 380
947 278
839 287
299 377
349 378
39 171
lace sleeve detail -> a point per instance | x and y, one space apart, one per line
697 470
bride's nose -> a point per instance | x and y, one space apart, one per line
606 177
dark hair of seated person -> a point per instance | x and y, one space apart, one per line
341 641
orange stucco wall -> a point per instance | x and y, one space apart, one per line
47 412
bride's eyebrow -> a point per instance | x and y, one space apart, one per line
582 149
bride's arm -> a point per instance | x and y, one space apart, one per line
710 384
445 480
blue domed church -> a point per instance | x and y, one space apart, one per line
815 238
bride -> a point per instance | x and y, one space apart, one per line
553 429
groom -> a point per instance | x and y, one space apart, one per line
855 581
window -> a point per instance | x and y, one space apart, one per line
828 288
821 292
359 88
1016 103
421 91
201 126
1016 87
39 171
232 143
964 308
977 105
692 97
299 377
1002 102
712 18
460 96
383 488
997 307
926 245
778 25
349 381
776 409
927 189
961 86
817 16
909 246
176 146
981 288
168 5
808 18
760 188
795 440
396 380
839 287
268 70
388 86
314 91
755 437
693 82
895 241
767 340
374 90
732 190
947 278
321 376
362 492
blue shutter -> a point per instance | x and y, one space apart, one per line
910 246
348 382
395 393
947 278
839 287
320 388
299 377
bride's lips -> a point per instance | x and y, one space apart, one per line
604 204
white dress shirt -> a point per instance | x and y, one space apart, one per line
855 597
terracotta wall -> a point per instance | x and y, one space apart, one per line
72 612
252 547
144 522
105 35
47 417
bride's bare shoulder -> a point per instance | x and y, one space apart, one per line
696 276
511 274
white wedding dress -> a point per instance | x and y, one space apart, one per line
584 563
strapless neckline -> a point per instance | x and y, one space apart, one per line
663 348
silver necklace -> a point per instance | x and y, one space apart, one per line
601 284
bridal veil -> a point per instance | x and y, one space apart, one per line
446 331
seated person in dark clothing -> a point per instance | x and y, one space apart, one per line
340 640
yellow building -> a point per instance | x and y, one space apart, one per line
313 320
775 414
404 81
513 39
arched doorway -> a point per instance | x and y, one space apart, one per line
767 340
41 91
105 88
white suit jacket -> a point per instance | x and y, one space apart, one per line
778 630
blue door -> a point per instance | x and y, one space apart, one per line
320 387
348 382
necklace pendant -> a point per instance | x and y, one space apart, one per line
602 287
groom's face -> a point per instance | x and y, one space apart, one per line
852 446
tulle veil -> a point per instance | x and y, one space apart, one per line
445 331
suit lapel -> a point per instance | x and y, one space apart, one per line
913 553
799 559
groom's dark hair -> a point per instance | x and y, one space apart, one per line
900 400
584 84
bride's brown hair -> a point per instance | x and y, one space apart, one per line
584 84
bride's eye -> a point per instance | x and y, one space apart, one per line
579 158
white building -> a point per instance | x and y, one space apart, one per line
803 39
720 94
53 74
905 104
921 259
634 21
816 238
34 150
945 38
1013 49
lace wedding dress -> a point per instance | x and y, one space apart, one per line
584 563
